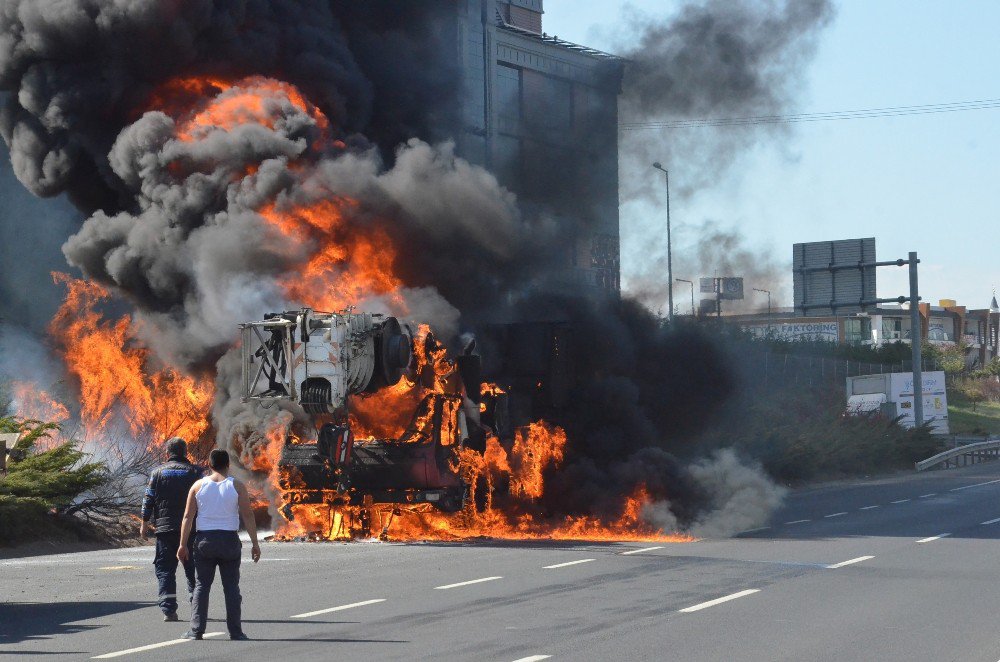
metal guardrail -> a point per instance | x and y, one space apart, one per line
963 455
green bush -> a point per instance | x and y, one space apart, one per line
803 434
40 484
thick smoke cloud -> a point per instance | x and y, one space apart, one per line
178 215
197 254
737 496
711 250
713 59
710 59
80 70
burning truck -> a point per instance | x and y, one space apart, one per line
319 362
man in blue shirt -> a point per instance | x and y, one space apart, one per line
163 510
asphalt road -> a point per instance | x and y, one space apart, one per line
905 568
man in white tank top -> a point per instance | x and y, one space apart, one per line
217 502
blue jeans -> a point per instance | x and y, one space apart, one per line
211 550
165 562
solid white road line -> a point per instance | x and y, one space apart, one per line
718 601
928 496
798 521
989 482
852 561
933 538
867 507
992 521
471 581
340 608
533 658
569 563
834 515
140 649
899 501
640 551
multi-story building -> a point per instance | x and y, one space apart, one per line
944 324
542 113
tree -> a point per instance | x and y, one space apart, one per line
40 484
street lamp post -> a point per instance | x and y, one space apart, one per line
768 293
670 265
681 280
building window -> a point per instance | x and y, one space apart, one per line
857 330
508 99
941 328
548 106
892 329
604 260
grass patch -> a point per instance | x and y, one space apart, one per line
966 416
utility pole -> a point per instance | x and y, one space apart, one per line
691 283
670 265
916 329
768 293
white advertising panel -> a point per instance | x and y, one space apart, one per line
829 331
935 399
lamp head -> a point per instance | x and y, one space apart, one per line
658 166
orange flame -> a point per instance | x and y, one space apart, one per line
342 265
114 372
32 403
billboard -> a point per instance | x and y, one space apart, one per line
934 396
731 288
825 331
829 277
897 387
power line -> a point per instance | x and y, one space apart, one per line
866 113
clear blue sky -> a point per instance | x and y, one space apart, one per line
926 183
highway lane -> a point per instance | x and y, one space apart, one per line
858 586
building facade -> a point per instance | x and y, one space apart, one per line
542 114
945 324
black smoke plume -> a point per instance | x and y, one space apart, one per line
712 59
177 225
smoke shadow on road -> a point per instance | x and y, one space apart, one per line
26 621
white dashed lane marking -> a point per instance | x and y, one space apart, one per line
533 658
933 538
851 562
468 583
899 501
835 515
640 551
567 564
928 496
141 649
992 521
719 601
340 608
798 521
868 507
968 487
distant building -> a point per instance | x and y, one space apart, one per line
542 114
944 324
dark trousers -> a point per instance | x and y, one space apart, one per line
217 549
165 562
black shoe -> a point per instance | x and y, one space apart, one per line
191 634
239 637
170 618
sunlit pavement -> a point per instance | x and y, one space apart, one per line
894 569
